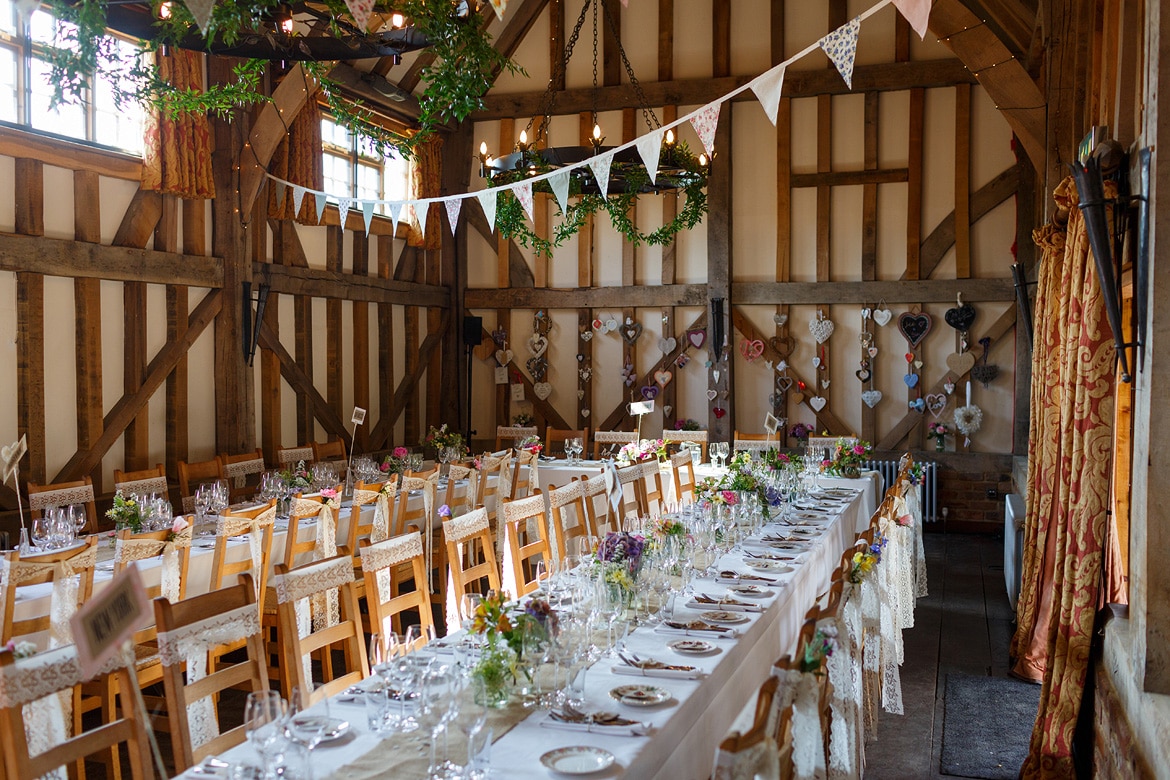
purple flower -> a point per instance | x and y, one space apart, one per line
444 511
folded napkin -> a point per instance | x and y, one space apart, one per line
728 603
696 628
735 578
611 725
656 669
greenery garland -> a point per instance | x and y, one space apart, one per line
512 221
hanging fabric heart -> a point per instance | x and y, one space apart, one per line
780 319
936 403
697 338
871 398
682 360
918 364
598 324
821 329
719 411
872 352
817 402
909 357
911 380
863 374
825 384
503 356
663 378
914 327
666 410
611 325
882 316
650 392
537 344
666 346
983 372
712 395
585 413
751 350
918 405
960 317
631 332
586 335
949 387
817 362
960 362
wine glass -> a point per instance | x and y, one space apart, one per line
309 727
264 713
41 531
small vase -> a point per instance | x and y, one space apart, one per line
851 472
494 675
940 444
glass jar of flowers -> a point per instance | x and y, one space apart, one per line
501 627
438 439
618 561
939 432
396 462
125 513
848 457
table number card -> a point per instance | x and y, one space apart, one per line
771 424
518 392
109 619
359 416
501 375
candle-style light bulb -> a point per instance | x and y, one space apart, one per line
596 131
483 147
524 136
164 11
669 136
703 160
398 21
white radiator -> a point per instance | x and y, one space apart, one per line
1013 544
889 471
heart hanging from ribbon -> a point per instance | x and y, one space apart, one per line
666 410
650 392
782 346
751 350
882 316
783 383
631 332
666 346
863 374
918 405
960 362
719 411
697 338
712 395
817 402
586 335
821 330
662 378
936 403
960 317
537 344
871 398
503 356
780 320
911 380
542 390
914 327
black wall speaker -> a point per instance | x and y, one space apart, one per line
472 329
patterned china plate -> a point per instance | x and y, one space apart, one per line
692 646
640 695
772 566
577 760
723 616
755 591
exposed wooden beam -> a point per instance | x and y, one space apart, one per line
345 286
406 110
521 17
303 385
406 386
591 297
83 260
925 291
269 128
844 178
71 156
129 405
140 219
888 77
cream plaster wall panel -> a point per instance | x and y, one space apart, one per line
113 356
690 256
648 258
60 388
804 135
750 37
893 142
379 384
345 369
692 41
562 266
848 142
312 240
802 28
803 240
533 54
116 195
844 393
58 203
639 23
992 136
938 158
888 368
200 394
753 182
930 48
891 230
877 32
607 254
606 388
991 242
753 379
7 195
8 384
563 346
846 207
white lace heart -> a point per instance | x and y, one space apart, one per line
871 398
586 335
821 330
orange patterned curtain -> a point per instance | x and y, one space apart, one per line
298 159
177 154
1069 465
426 179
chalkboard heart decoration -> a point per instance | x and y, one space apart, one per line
631 332
650 392
984 373
863 374
936 403
918 405
871 398
914 327
882 316
697 338
719 411
817 402
911 380
961 316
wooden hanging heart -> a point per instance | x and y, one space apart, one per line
666 346
751 350
914 327
537 344
484 349
871 398
697 338
782 345
631 332
821 330
960 317
882 316
719 411
663 378
503 356
712 395
960 362
817 402
797 398
936 403
650 392
542 390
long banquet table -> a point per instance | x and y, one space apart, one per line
684 732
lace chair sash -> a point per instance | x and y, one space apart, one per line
758 762
802 691
532 460
847 744
560 497
301 586
460 529
294 454
515 431
241 469
63 600
190 644
379 558
325 607
523 507
146 486
81 494
615 437
46 673
170 583
233 525
698 436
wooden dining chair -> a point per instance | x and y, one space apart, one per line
471 553
649 494
25 681
333 450
41 497
606 441
242 473
561 435
597 507
386 567
508 435
291 456
188 631
683 472
146 481
752 442
295 589
693 437
628 478
193 474
563 502
526 532
747 754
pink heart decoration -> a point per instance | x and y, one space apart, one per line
663 378
751 350
697 338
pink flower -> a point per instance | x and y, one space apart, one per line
401 452
328 493
858 449
826 463
385 467
10 646
180 525
729 497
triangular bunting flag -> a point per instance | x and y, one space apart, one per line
368 213
395 213
26 7
650 147
706 122
487 201
278 190
343 205
201 11
453 206
298 196
917 12
767 88
421 212
600 165
559 184
321 198
523 192
500 6
841 46
361 11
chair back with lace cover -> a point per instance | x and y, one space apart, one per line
649 494
242 473
611 441
41 497
752 442
526 530
694 437
33 729
472 556
508 436
460 501
628 478
800 715
192 475
144 482
256 523
597 508
305 628
372 511
568 504
752 755
683 471
561 435
71 573
386 567
329 451
291 456
187 632
175 551
310 510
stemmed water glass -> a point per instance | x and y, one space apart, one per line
720 451
574 448
308 728
264 722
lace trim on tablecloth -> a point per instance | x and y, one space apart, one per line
170 579
82 494
758 762
190 644
143 486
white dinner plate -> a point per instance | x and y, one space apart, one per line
335 728
641 695
723 616
577 760
754 591
771 566
692 646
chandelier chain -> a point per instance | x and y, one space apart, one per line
550 96
643 102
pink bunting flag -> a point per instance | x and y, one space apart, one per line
523 192
916 12
706 122
360 9
841 46
453 206
768 87
487 201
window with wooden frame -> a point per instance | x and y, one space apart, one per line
354 169
26 93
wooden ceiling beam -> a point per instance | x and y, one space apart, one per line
346 286
591 297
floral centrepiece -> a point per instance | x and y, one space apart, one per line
297 478
619 559
637 451
503 626
125 513
865 559
396 462
443 437
939 432
686 425
531 444
800 431
848 457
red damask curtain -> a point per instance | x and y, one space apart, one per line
298 160
426 178
177 154
1069 466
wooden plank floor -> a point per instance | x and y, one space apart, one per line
964 625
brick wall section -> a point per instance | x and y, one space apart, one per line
964 480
